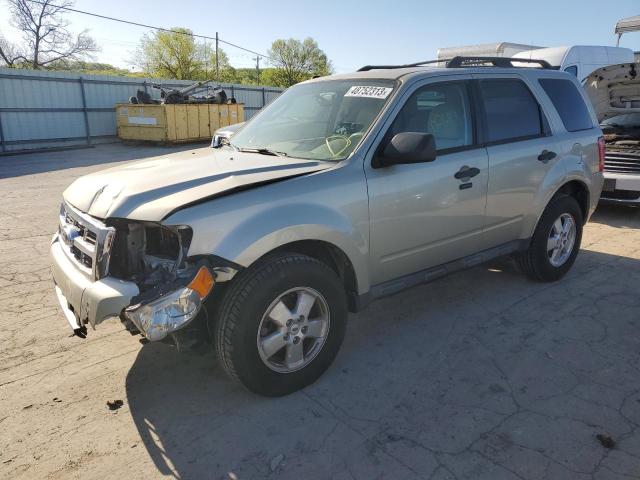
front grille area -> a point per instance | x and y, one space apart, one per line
82 258
85 238
622 161
91 237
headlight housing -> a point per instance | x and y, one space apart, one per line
174 310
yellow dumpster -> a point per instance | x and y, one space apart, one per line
176 122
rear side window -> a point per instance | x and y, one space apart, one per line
512 112
573 70
568 102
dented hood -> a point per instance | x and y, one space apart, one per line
614 90
152 189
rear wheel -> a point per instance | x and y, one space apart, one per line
555 242
281 324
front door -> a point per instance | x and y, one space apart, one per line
426 214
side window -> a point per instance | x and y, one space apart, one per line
568 102
512 112
573 70
441 110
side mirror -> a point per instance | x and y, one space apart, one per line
408 147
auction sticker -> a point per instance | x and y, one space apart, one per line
368 92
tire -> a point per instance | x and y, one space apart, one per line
539 263
243 327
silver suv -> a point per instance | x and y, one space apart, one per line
343 190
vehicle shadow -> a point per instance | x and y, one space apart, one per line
618 216
424 371
104 154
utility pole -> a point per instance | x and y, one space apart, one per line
258 69
206 59
217 60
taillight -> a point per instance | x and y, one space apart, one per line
601 149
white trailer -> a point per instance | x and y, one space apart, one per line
499 49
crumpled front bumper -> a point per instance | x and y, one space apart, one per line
82 299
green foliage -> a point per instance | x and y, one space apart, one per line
177 55
93 68
296 61
170 55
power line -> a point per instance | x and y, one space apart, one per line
61 7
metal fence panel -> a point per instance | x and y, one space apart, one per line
52 109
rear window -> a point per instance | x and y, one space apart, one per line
512 113
568 102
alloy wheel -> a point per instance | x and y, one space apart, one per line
293 330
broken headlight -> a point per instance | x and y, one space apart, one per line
173 310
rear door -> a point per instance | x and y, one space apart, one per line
521 153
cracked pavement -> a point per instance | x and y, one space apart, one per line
509 380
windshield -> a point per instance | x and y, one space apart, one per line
627 120
318 121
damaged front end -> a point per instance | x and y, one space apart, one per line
173 287
137 271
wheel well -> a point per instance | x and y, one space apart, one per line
580 192
331 256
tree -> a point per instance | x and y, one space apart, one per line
10 53
177 55
226 73
45 34
296 61
172 54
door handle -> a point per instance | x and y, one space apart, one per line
466 172
546 155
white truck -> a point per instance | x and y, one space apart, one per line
579 60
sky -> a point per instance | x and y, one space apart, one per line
354 33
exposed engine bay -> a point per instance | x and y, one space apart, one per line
621 136
172 286
153 256
623 139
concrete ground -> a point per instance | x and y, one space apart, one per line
481 375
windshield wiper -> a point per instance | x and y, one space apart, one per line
263 151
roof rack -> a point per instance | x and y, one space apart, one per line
464 61
366 68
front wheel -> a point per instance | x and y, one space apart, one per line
555 242
281 324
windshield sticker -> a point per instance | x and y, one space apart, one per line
369 92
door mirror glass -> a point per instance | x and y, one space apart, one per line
409 147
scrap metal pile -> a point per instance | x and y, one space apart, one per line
217 95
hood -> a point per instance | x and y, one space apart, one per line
151 189
614 90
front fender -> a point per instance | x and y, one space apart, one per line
324 207
262 233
